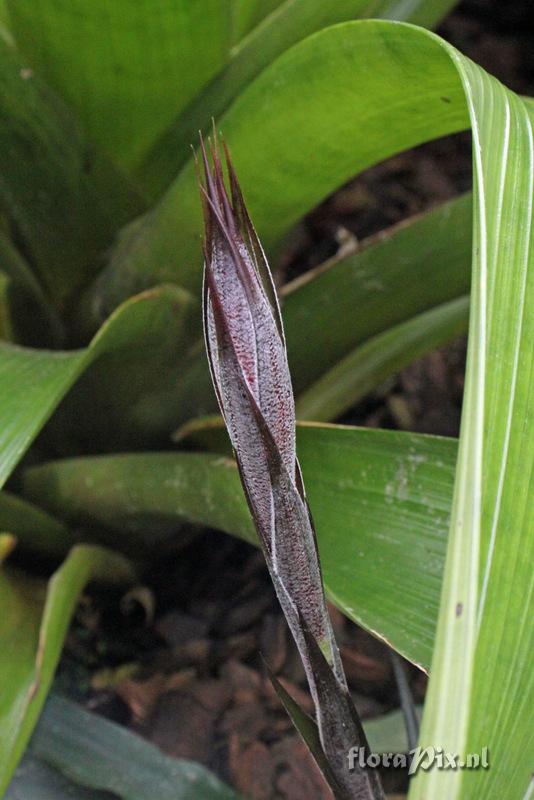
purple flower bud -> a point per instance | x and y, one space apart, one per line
248 361
247 355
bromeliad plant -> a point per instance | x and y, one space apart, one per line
248 361
426 542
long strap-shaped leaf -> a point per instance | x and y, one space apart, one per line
381 356
332 105
34 530
126 68
381 501
35 619
481 689
411 268
87 750
61 200
290 22
36 381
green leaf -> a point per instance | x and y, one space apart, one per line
35 319
61 201
127 396
34 780
133 763
383 355
34 529
146 330
87 751
35 618
311 120
249 13
7 544
4 23
411 268
374 280
290 22
380 501
38 379
481 690
127 69
4 15
387 734
419 12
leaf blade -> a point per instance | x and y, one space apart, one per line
413 75
34 529
387 279
39 379
479 643
98 754
34 623
348 473
100 44
290 22
356 374
62 200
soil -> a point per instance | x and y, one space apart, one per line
178 660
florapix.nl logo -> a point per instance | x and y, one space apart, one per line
424 758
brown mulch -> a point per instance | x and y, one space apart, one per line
201 691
